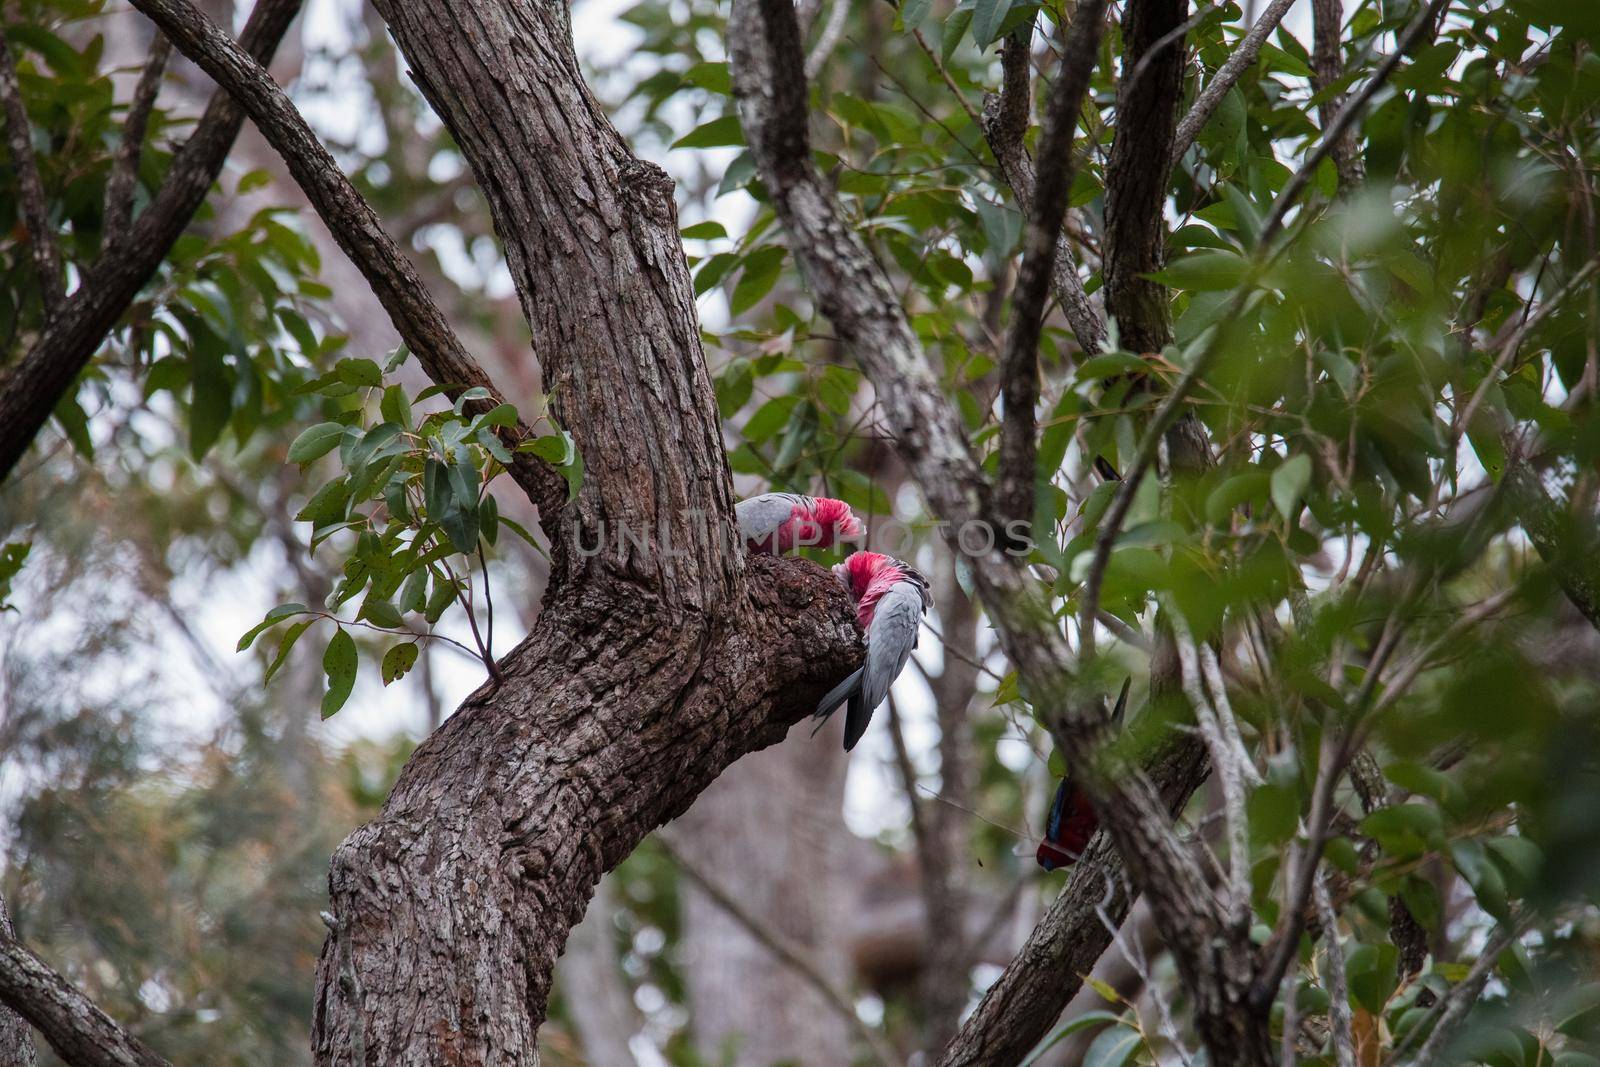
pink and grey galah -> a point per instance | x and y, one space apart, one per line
774 523
890 598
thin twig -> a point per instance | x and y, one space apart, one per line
30 188
1226 77
1452 1008
1346 119
1508 351
125 166
829 39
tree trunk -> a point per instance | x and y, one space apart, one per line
771 832
661 655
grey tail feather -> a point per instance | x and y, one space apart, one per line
856 719
849 688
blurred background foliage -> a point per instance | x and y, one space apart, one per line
168 817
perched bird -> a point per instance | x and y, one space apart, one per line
890 598
1072 820
774 523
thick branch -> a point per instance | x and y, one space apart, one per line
125 166
16 1038
1005 124
1227 76
353 224
1137 172
30 189
30 390
1327 67
1018 1010
1019 364
81 1034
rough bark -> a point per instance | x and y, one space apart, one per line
16 1040
944 854
1137 174
81 1034
30 390
1327 67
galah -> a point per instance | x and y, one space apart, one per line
1072 821
774 523
890 598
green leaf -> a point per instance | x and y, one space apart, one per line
1113 1048
913 13
414 592
987 18
704 231
955 28
1239 489
380 612
717 133
314 442
1077 1023
339 663
761 270
359 372
285 644
277 614
12 556
1289 484
1405 829
499 415
1200 271
394 407
1109 365
397 661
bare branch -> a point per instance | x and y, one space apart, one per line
124 177
1338 990
1019 364
33 386
785 952
81 1034
353 224
1226 77
1302 865
1453 1007
1229 762
1346 118
828 40
1513 344
16 1039
30 189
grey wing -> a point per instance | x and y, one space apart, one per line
889 643
760 515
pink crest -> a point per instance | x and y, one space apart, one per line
820 523
868 575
